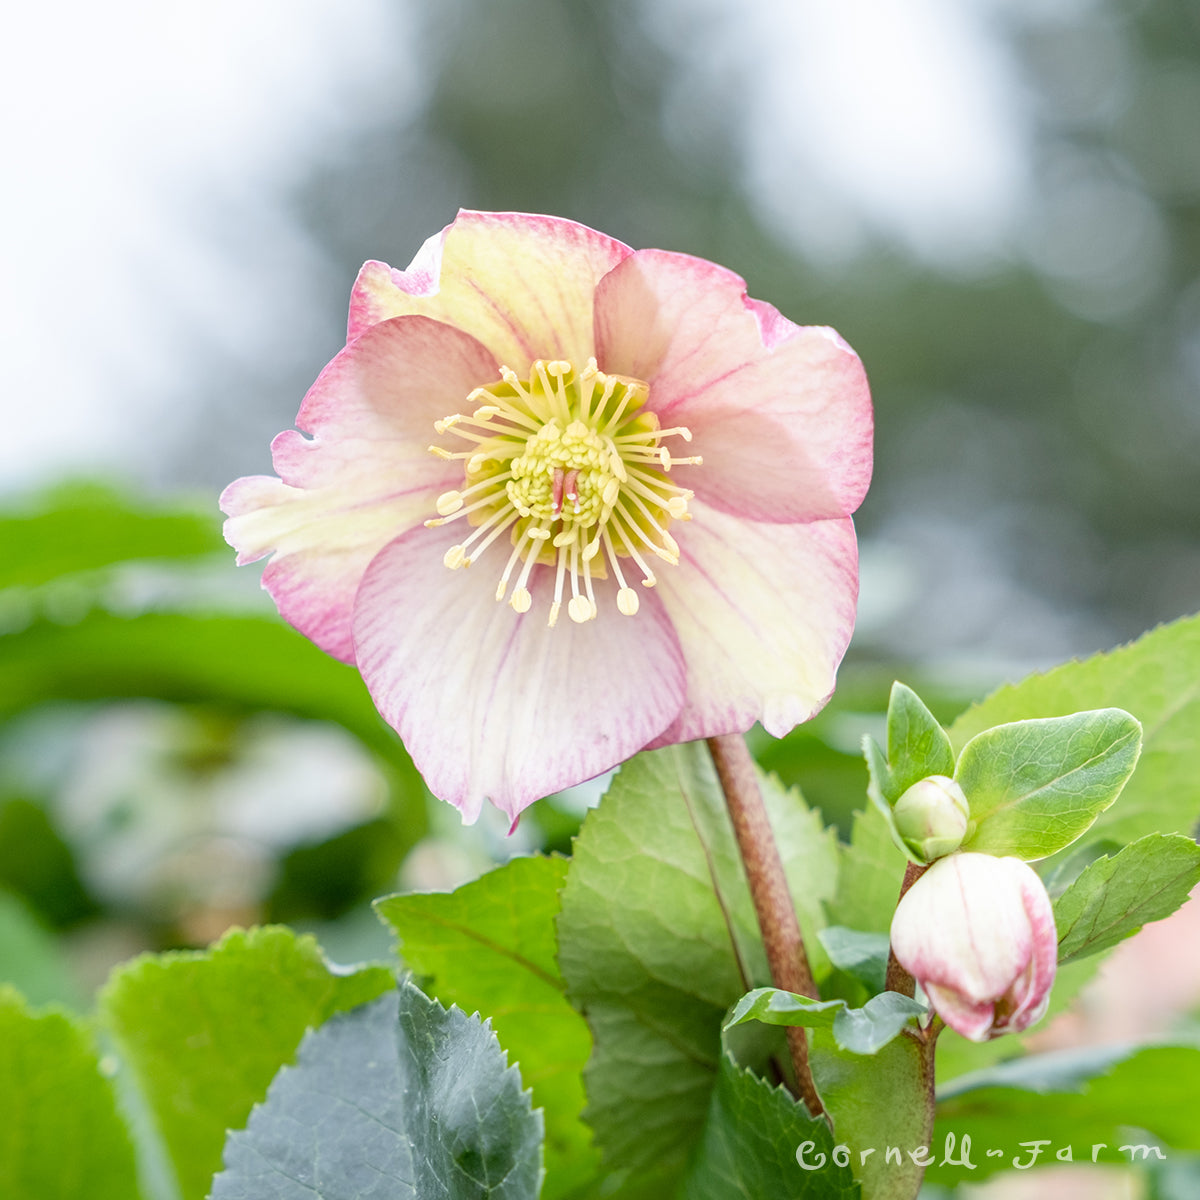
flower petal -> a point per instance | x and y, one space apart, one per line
495 705
521 284
780 413
764 614
973 1021
365 478
1031 1004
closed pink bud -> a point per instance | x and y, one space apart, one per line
977 933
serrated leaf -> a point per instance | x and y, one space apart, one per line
490 947
399 1099
862 956
750 1144
1095 1097
1157 679
203 1033
859 1030
917 744
1035 786
657 939
1114 897
60 1136
869 876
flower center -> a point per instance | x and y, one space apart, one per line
568 464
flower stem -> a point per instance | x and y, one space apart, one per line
769 890
898 979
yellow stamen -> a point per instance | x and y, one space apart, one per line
567 462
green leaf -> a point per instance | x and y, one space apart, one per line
203 1033
490 947
400 1098
875 1103
881 788
61 1137
1157 679
870 875
868 1029
1114 897
657 939
30 958
1095 1097
83 527
863 956
917 745
750 1142
1035 786
860 1030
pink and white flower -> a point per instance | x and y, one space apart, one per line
977 933
619 434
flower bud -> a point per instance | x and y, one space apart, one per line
977 933
932 817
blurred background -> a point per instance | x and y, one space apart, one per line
997 203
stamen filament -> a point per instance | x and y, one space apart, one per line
580 481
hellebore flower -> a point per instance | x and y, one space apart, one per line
977 933
621 434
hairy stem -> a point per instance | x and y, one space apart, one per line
773 905
898 979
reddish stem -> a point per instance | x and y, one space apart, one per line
898 979
769 890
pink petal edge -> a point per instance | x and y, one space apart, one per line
780 413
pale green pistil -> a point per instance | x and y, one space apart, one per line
568 464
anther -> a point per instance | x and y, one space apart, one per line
580 609
455 557
627 601
521 599
449 502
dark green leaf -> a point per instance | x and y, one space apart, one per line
203 1033
917 745
61 1137
397 1100
490 947
750 1144
657 939
1114 897
1035 786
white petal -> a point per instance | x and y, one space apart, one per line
764 614
492 704
521 284
365 478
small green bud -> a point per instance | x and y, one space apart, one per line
932 817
